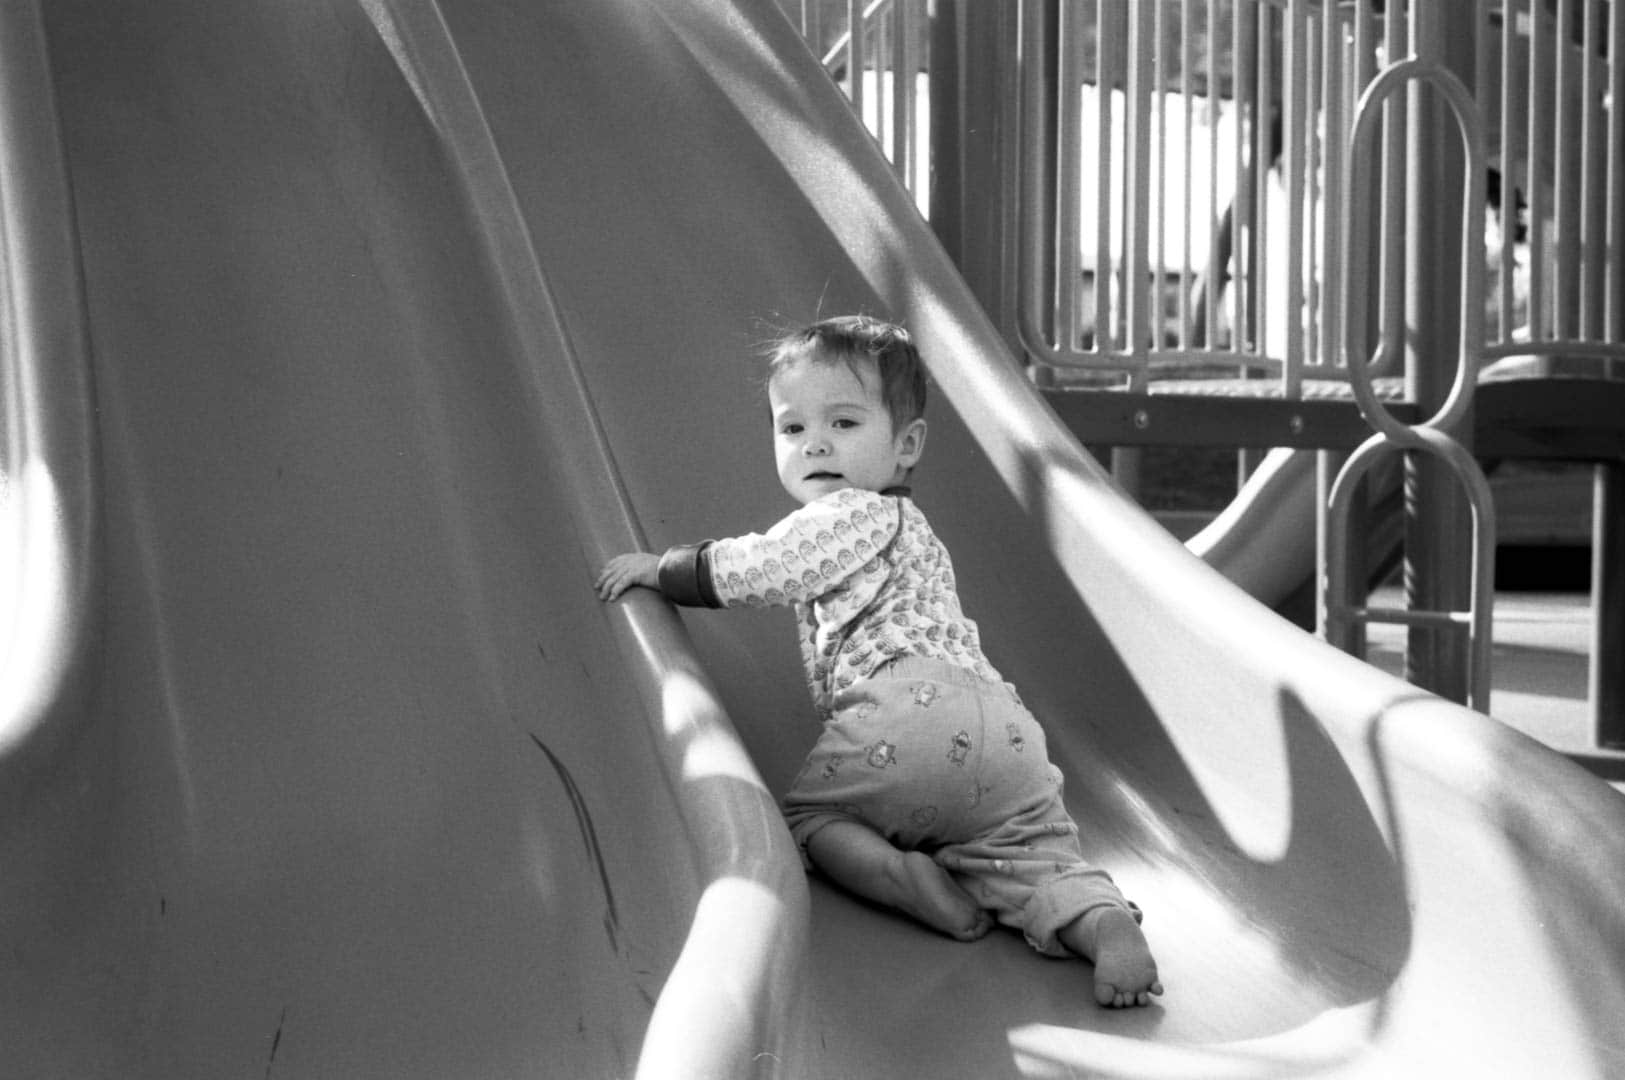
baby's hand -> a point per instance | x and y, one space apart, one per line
624 571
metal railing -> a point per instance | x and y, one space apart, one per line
879 51
1340 619
1198 146
1551 80
1182 183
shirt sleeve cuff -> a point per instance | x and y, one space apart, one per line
685 576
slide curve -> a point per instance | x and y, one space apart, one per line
344 341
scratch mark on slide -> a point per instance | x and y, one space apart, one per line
589 839
276 1041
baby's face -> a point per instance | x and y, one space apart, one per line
831 430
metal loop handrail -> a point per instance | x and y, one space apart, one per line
1433 434
1469 123
1341 618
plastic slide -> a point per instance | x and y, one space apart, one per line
343 343
1264 539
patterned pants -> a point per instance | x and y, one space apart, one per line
936 759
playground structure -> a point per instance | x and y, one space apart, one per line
1215 250
342 344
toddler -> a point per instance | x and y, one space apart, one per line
930 789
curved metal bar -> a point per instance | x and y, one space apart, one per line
1341 617
1431 435
1036 114
1470 124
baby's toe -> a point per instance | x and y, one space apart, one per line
978 929
1110 997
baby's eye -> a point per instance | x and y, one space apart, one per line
845 424
790 429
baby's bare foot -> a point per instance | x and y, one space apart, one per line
926 891
1125 972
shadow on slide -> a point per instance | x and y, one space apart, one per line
344 341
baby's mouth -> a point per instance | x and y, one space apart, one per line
823 474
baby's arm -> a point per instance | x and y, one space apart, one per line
805 555
680 575
624 571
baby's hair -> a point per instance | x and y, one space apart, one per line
853 340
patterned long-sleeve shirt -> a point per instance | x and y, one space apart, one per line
867 577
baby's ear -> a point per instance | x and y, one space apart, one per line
911 442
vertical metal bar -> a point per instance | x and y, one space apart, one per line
902 122
1593 254
1042 101
1393 199
1437 517
1263 160
877 38
1136 200
1513 169
1172 189
1064 301
1007 90
920 61
1306 313
1315 170
1352 577
1209 316
1481 582
1352 322
953 65
1536 94
1127 469
1484 79
1614 275
1155 188
879 63
1483 62
1294 135
903 89
855 35
970 108
1607 677
1243 48
1565 246
1069 165
1365 51
1188 181
1334 140
1107 75
1315 164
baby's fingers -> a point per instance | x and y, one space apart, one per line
615 578
624 571
610 584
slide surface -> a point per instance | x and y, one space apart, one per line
345 340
